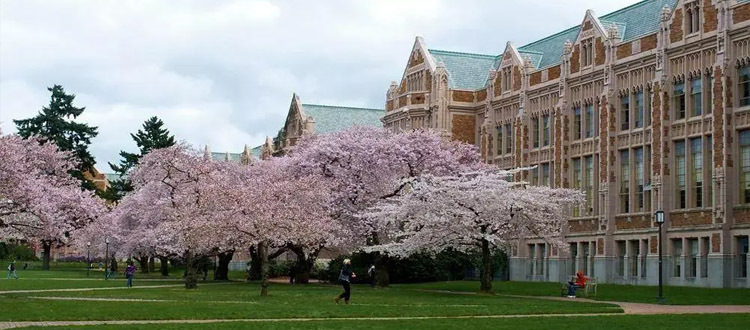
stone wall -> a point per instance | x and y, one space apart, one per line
710 16
463 128
582 226
690 218
575 60
463 96
625 222
675 29
742 215
649 42
600 55
624 50
741 13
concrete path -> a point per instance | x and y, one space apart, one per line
10 325
107 288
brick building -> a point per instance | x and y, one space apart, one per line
646 108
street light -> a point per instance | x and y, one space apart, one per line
106 258
659 217
88 258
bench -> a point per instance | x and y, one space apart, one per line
589 290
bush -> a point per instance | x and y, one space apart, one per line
278 268
449 265
19 252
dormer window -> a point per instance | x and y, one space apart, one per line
587 54
692 17
507 79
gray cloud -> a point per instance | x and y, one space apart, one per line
222 72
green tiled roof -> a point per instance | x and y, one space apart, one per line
334 118
111 176
222 156
256 151
639 19
466 70
632 22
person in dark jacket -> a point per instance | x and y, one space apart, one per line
129 274
345 277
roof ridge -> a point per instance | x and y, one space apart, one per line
550 36
341 107
639 3
462 53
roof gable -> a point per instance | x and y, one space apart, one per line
466 70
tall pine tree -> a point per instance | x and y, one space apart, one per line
152 136
54 124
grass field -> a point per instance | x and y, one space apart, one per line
407 305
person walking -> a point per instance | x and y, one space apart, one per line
12 270
345 277
371 273
112 269
129 273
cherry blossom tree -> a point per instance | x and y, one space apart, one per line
178 207
277 209
39 200
475 211
367 165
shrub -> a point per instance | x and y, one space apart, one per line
19 252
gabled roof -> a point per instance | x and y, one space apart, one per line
330 118
632 22
466 70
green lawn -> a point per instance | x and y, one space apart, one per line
625 322
675 295
240 300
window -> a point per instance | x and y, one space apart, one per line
541 260
532 258
742 256
644 249
545 121
621 258
709 169
534 176
709 94
639 178
573 255
586 256
545 174
696 103
577 182
681 196
677 257
745 167
507 79
625 112
589 182
536 131
577 122
508 138
678 100
624 181
743 87
692 18
696 166
590 128
647 178
588 52
647 108
704 257
500 140
692 260
639 109
634 251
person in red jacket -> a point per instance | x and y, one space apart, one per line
578 284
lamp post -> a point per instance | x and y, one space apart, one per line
106 258
659 217
88 258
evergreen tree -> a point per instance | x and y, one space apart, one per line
54 124
152 136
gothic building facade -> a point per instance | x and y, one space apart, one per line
643 109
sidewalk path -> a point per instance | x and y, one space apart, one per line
106 288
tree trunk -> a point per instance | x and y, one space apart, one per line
191 271
164 266
254 274
143 264
47 248
222 269
304 264
151 266
486 277
382 278
263 251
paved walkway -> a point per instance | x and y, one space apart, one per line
107 288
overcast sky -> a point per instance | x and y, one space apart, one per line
222 73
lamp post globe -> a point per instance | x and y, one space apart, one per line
659 219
